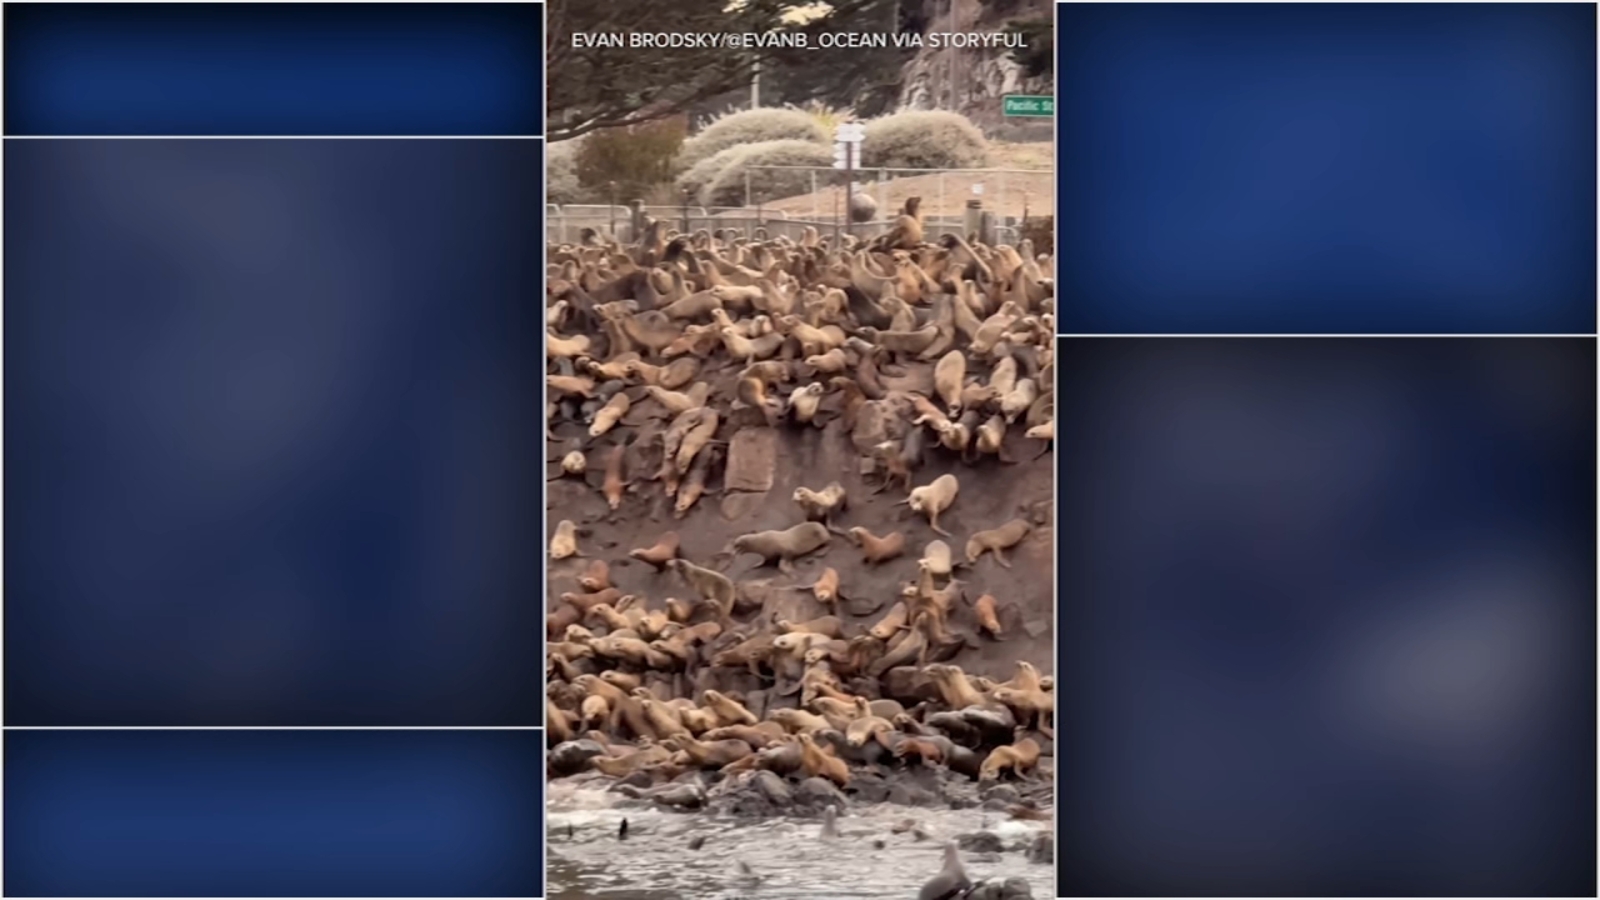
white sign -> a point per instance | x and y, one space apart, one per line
977 188
846 156
850 132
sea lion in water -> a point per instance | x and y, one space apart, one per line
783 547
996 540
951 881
934 498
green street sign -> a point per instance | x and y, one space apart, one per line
1025 105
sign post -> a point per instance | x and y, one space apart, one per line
1029 105
847 138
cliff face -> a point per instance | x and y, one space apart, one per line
971 81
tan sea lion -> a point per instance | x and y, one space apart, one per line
783 547
934 498
659 554
876 549
564 543
997 540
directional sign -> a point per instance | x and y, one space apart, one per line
846 155
850 132
1028 105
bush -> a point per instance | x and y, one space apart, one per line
726 188
636 158
701 173
924 139
751 126
561 172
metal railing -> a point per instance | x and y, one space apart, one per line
997 210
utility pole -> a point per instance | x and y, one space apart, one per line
755 85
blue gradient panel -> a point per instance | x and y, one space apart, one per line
1350 168
272 436
274 69
274 813
1327 617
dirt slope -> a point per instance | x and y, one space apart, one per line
991 494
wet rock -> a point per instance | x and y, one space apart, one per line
682 796
1043 850
570 757
819 793
912 795
1010 889
869 788
981 842
639 780
770 786
752 457
1004 793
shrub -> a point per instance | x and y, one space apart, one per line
726 188
701 173
635 157
561 172
924 139
751 126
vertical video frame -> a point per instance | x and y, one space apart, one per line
800 461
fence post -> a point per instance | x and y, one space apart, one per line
611 205
636 210
747 188
941 192
973 220
816 213
686 212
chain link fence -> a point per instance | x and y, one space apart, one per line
992 203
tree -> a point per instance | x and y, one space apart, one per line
592 87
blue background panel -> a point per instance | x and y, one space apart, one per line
273 813
1372 168
274 69
1327 617
272 432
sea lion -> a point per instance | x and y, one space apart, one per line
936 559
597 577
564 543
660 553
574 463
696 437
1020 758
558 346
710 754
828 626
678 403
949 374
694 484
752 392
711 585
988 617
876 549
951 881
728 710
819 763
613 484
783 547
1045 432
891 623
609 415
820 506
804 403
953 686
934 498
996 540
991 438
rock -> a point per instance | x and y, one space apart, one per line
1005 793
867 787
912 795
981 842
770 786
908 683
1010 889
738 504
752 458
819 793
570 757
1043 850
